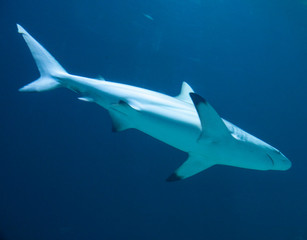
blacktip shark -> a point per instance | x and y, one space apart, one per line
187 122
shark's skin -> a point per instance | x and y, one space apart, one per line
187 122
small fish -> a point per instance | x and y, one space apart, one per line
148 16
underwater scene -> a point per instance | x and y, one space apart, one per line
161 119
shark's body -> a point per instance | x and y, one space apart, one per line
186 122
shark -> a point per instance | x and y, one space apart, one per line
187 121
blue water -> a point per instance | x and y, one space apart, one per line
65 175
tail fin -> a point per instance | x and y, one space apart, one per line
48 67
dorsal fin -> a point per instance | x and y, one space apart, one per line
185 93
101 78
212 124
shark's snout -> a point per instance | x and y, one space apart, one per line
286 164
279 161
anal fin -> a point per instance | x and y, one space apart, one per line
120 114
119 121
86 99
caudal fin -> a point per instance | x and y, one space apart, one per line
48 67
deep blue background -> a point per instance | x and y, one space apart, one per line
65 175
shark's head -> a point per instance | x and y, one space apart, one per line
279 161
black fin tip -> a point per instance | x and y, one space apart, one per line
197 99
173 177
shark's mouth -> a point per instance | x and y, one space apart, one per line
271 159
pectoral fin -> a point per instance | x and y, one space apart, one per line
193 165
211 123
